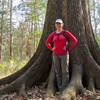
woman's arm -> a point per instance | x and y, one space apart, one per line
48 42
72 38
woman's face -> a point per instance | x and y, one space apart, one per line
59 25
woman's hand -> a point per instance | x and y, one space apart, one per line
53 48
64 48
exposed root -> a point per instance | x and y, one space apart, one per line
49 94
51 88
22 91
68 94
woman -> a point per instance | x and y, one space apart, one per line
60 52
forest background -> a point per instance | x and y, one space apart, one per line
21 25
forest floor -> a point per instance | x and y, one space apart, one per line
36 93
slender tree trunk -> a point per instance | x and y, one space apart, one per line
22 42
34 35
94 14
1 31
31 39
28 47
35 25
10 28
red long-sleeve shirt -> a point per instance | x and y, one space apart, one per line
61 42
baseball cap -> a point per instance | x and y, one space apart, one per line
59 21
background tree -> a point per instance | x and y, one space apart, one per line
1 27
34 17
94 7
95 17
11 37
22 15
2 12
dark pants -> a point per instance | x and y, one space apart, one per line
61 70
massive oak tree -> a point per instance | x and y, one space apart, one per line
84 58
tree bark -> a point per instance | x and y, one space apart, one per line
84 63
80 23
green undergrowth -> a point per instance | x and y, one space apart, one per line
11 66
98 39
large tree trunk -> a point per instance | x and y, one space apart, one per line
85 70
84 62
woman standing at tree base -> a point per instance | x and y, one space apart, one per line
60 51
